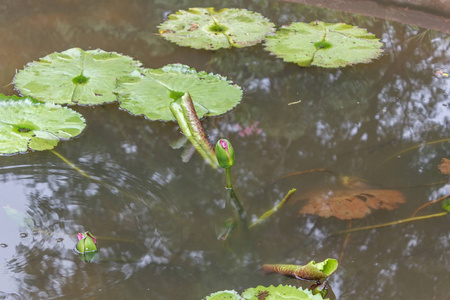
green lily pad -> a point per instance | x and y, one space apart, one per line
279 292
267 293
206 28
75 76
225 295
324 44
150 92
31 125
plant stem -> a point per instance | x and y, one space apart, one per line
429 203
237 204
273 210
75 167
391 223
307 172
228 178
240 209
415 147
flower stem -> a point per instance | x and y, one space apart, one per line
228 178
237 204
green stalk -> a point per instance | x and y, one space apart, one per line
391 223
270 212
184 111
237 204
228 178
75 167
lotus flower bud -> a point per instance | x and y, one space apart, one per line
86 242
224 153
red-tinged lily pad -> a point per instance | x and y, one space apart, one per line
311 271
444 167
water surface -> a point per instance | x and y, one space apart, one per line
157 218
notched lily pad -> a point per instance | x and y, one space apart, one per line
74 76
225 295
206 28
328 45
150 92
267 293
279 292
26 124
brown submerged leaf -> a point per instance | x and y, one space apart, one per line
444 167
351 204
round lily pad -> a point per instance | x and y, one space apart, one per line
206 28
225 295
150 92
75 76
324 44
279 292
26 124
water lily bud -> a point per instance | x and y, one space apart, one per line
86 242
224 153
320 288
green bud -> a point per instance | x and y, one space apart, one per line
319 288
224 153
86 242
87 246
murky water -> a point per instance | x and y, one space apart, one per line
157 218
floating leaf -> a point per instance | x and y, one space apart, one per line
151 91
266 293
206 28
351 204
444 167
74 76
225 295
28 124
328 45
311 271
279 292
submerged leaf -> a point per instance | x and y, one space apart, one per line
206 28
28 124
325 45
75 76
22 219
311 271
151 91
444 167
351 204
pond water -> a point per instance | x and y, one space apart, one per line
157 218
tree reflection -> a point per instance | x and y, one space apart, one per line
349 120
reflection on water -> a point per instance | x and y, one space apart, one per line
157 218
